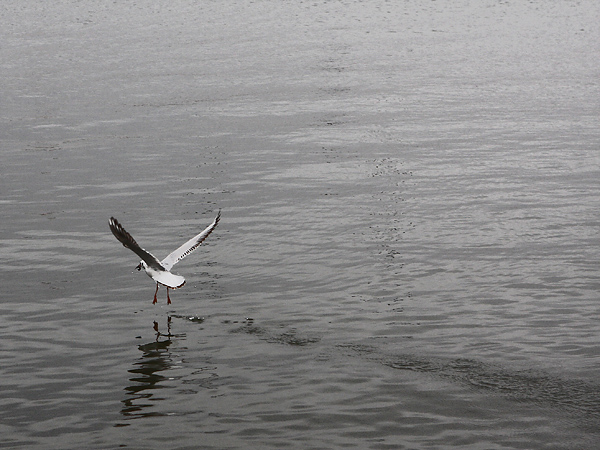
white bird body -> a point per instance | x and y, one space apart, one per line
164 277
160 271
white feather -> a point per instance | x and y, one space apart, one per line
191 245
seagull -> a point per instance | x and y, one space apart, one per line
160 271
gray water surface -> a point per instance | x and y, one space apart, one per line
409 247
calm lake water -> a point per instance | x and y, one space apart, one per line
408 256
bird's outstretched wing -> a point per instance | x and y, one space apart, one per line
189 246
127 240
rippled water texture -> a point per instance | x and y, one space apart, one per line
408 251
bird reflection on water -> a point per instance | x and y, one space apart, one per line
156 357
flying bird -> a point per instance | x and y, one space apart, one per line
160 271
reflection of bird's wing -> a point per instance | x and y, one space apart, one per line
189 246
125 238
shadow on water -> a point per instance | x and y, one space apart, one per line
146 376
288 337
579 398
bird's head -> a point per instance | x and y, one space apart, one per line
140 265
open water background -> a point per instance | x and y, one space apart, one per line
408 256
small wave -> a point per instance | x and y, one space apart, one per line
290 337
532 386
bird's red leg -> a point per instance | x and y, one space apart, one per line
155 292
156 329
168 298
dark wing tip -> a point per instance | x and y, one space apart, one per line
119 232
115 226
